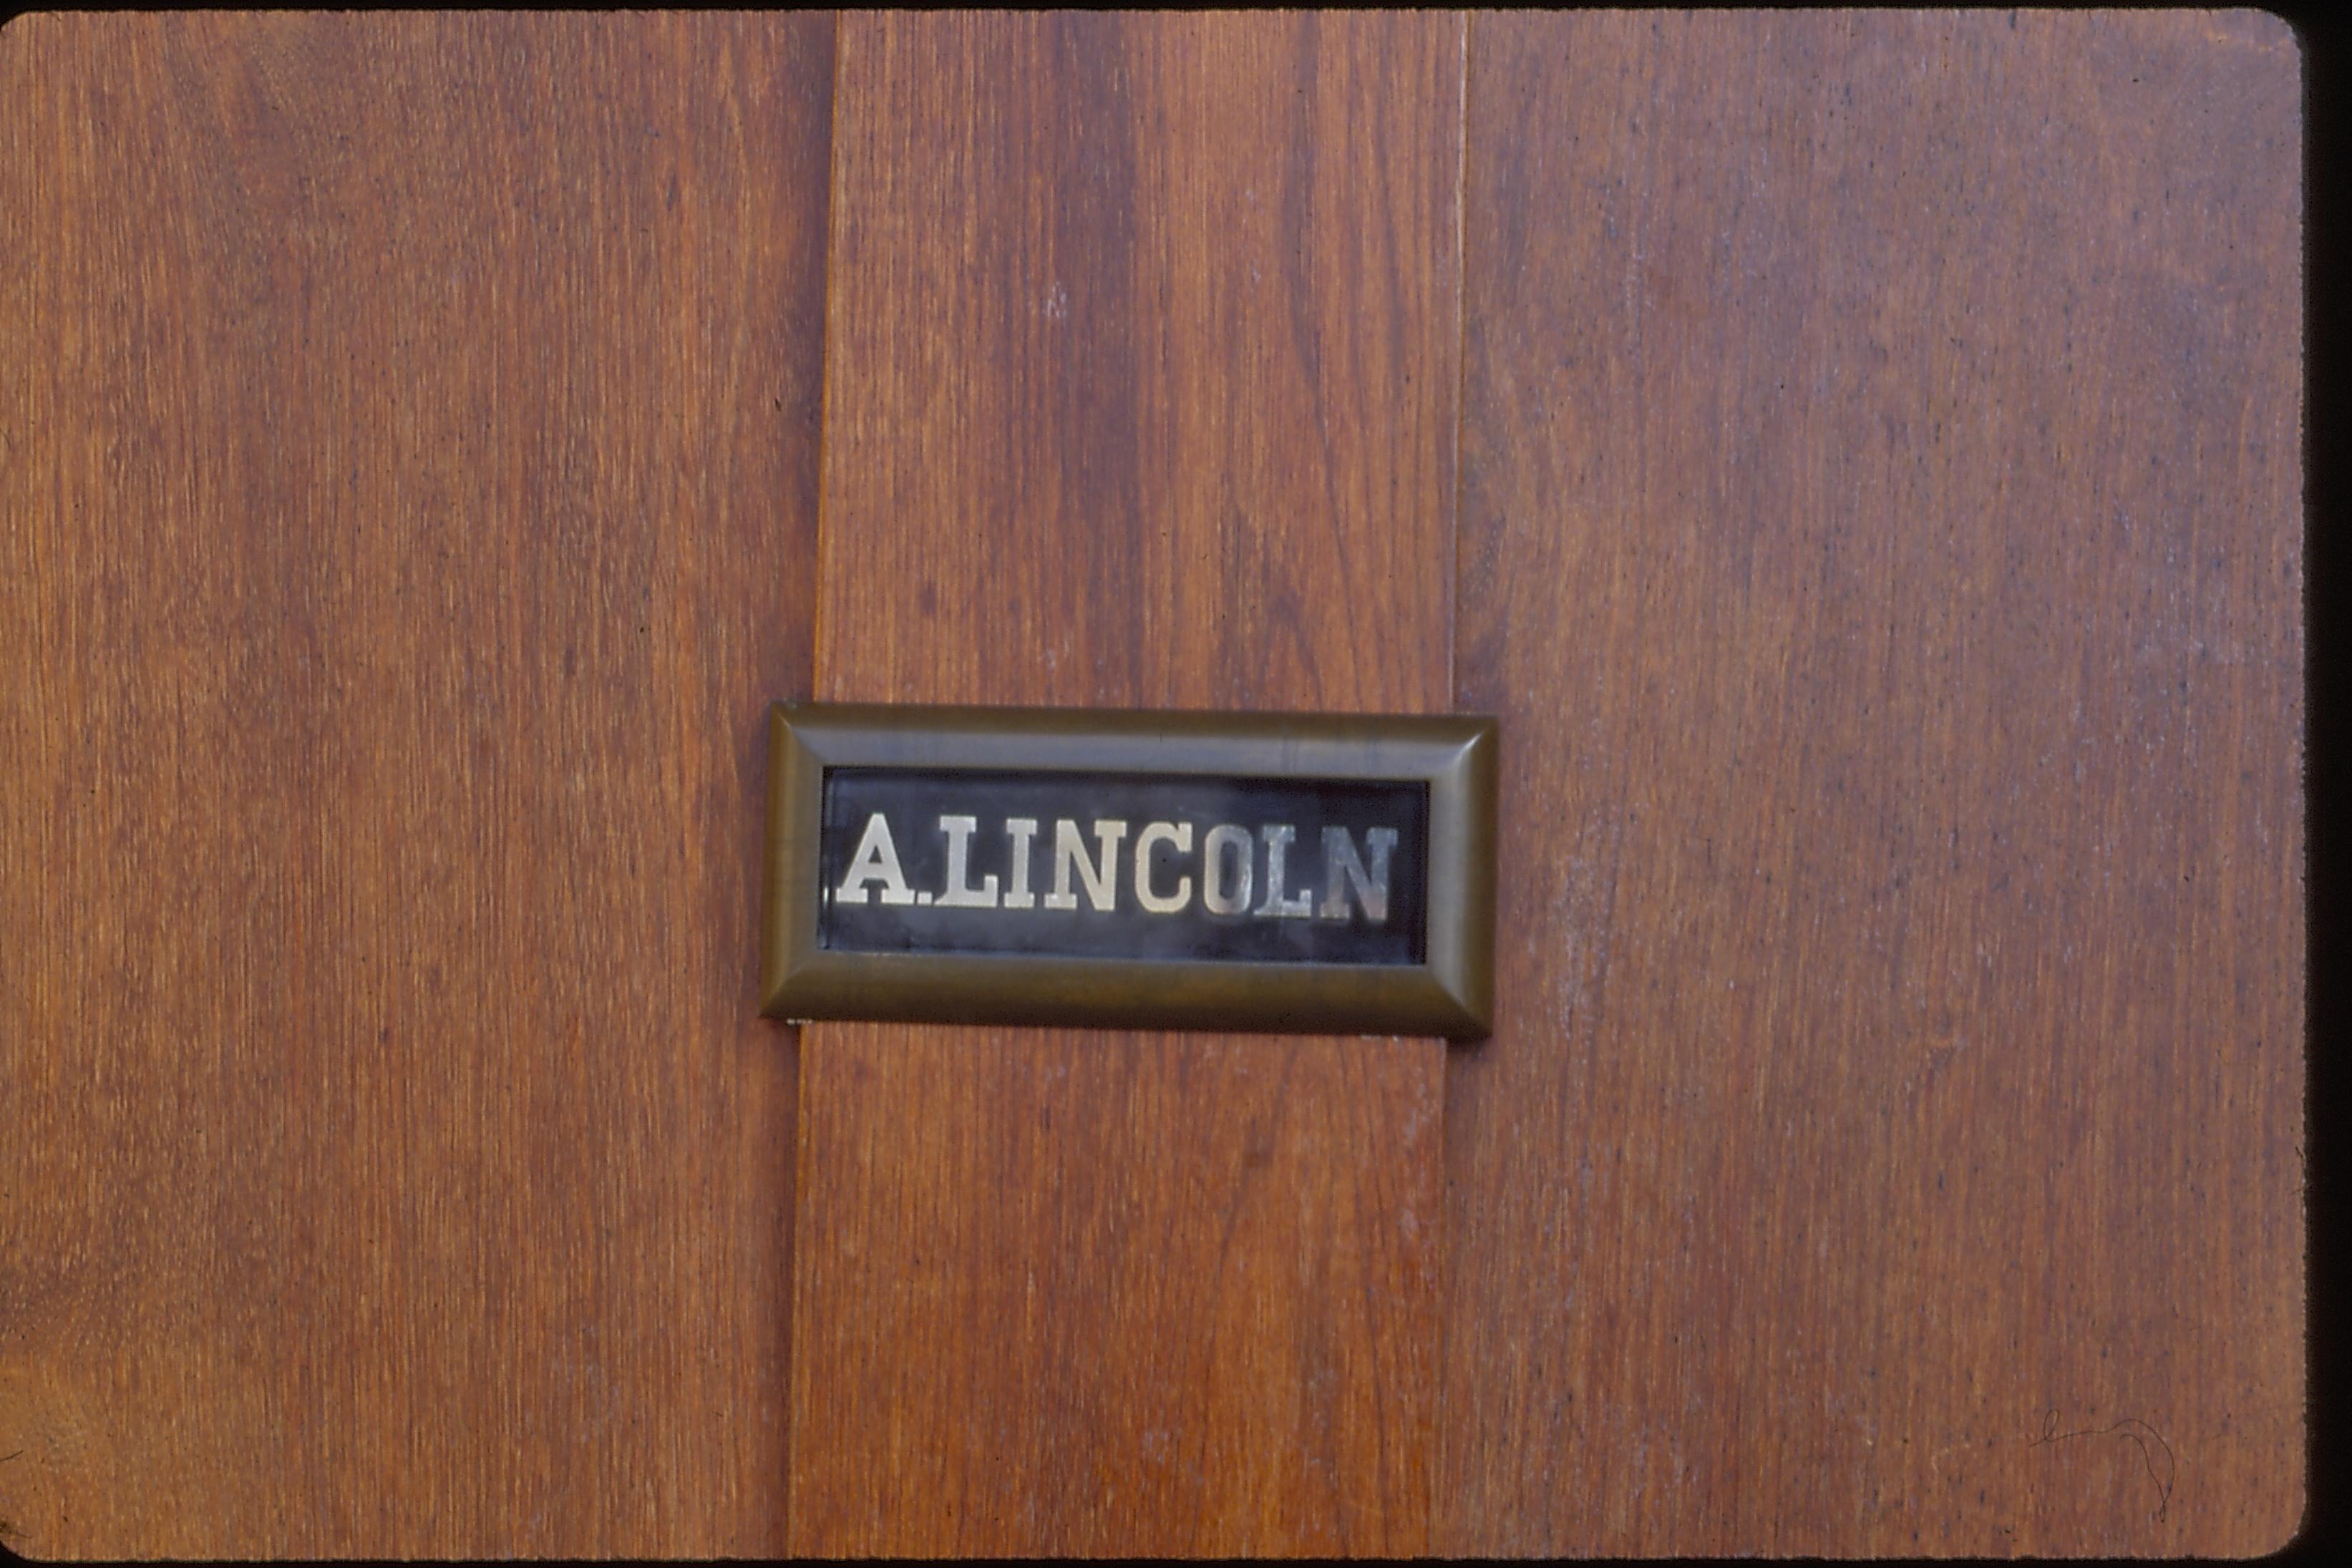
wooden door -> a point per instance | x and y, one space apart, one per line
1857 455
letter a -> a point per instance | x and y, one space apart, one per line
876 860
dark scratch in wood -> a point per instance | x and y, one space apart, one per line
2131 1428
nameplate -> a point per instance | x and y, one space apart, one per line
1318 873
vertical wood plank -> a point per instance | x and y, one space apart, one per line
407 470
1141 378
1881 538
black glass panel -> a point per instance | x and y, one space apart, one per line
1124 866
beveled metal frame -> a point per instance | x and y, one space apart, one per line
1449 993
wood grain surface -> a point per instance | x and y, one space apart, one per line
1141 391
1879 532
1880 536
407 465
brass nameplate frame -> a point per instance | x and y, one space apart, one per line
1300 873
